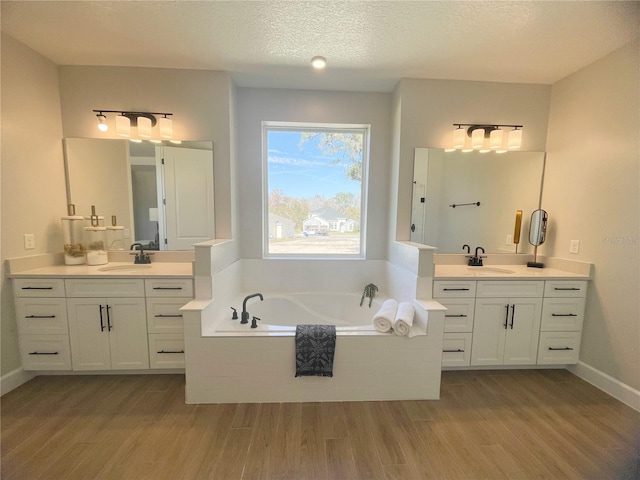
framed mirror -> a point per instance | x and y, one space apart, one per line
473 198
161 194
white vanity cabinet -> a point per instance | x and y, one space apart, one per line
459 298
41 315
107 332
165 297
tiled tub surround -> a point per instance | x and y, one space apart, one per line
232 367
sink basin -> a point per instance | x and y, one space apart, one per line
490 270
125 268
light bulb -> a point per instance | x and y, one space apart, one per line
144 127
318 62
166 127
123 126
515 139
477 138
495 139
458 137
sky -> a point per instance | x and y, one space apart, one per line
304 172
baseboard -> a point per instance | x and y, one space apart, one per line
621 391
14 379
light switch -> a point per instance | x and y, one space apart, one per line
29 241
574 246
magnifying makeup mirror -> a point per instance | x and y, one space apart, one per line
537 235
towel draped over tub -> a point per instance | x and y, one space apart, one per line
315 347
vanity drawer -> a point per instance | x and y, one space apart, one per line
38 287
459 288
105 287
42 315
169 287
166 350
456 350
562 314
558 348
164 315
459 315
565 288
45 352
529 289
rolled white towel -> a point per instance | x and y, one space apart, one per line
403 320
383 319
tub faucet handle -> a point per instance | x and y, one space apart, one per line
234 316
254 322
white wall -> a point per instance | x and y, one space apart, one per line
257 105
33 186
591 194
428 109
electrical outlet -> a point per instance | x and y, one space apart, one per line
29 241
574 246
509 239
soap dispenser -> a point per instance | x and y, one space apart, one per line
72 232
115 235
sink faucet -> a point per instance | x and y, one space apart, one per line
245 314
140 257
467 247
476 261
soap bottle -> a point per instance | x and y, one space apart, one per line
95 239
72 232
115 235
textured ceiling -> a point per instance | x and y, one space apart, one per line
369 45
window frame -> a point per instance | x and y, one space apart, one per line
364 129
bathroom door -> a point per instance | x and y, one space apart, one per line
188 197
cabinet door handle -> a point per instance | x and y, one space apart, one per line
455 289
457 350
513 313
564 315
560 348
566 288
101 319
40 316
109 326
43 353
455 316
171 351
167 288
506 317
37 288
167 316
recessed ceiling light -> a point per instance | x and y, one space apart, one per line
319 62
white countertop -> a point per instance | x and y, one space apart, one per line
111 269
503 272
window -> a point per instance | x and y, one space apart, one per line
315 189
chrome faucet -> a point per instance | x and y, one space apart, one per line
245 314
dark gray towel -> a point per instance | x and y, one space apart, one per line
315 346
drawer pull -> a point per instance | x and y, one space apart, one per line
457 350
43 353
567 288
101 319
455 316
455 289
171 351
37 288
564 315
167 288
40 316
168 316
560 348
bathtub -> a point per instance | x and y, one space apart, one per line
279 313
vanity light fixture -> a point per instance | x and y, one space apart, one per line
485 138
318 62
144 121
102 122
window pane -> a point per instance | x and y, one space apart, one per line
314 185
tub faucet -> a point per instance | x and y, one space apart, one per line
245 314
369 292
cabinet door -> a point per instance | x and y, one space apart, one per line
521 342
88 334
128 333
489 332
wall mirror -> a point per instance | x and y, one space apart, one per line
472 198
161 194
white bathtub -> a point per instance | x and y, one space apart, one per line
279 313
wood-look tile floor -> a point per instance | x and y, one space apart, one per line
545 424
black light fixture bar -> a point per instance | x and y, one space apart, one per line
488 128
133 116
